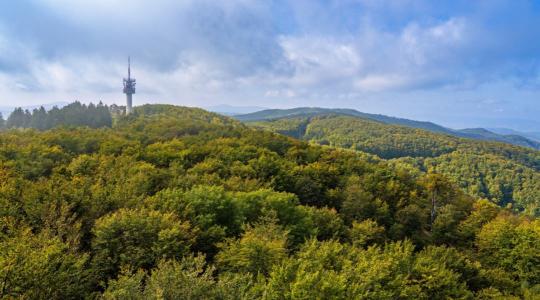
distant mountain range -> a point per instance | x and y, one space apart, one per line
230 110
510 137
507 131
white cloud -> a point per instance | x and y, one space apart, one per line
303 66
319 60
433 44
244 52
372 60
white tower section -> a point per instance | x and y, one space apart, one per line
129 89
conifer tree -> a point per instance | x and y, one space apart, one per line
16 119
39 119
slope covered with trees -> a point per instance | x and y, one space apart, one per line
502 173
179 203
471 133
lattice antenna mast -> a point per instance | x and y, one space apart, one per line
129 89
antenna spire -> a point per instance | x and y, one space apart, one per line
129 67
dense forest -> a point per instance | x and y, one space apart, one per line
502 173
74 114
180 203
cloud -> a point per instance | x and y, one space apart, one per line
239 41
236 35
267 53
372 60
320 60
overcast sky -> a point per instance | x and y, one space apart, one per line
459 63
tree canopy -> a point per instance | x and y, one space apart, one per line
503 173
179 203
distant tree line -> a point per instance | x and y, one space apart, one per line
74 114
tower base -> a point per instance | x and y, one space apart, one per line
129 104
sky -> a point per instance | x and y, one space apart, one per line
458 63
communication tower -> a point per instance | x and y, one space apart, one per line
129 89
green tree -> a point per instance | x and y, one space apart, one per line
365 233
327 224
439 191
138 238
482 212
16 119
209 208
330 270
39 119
40 266
512 245
359 204
257 251
189 278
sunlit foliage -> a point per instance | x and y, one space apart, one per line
179 203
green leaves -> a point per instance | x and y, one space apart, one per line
41 266
512 245
256 252
189 278
500 172
330 270
366 233
177 203
138 238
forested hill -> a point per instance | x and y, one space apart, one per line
179 203
472 133
503 173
